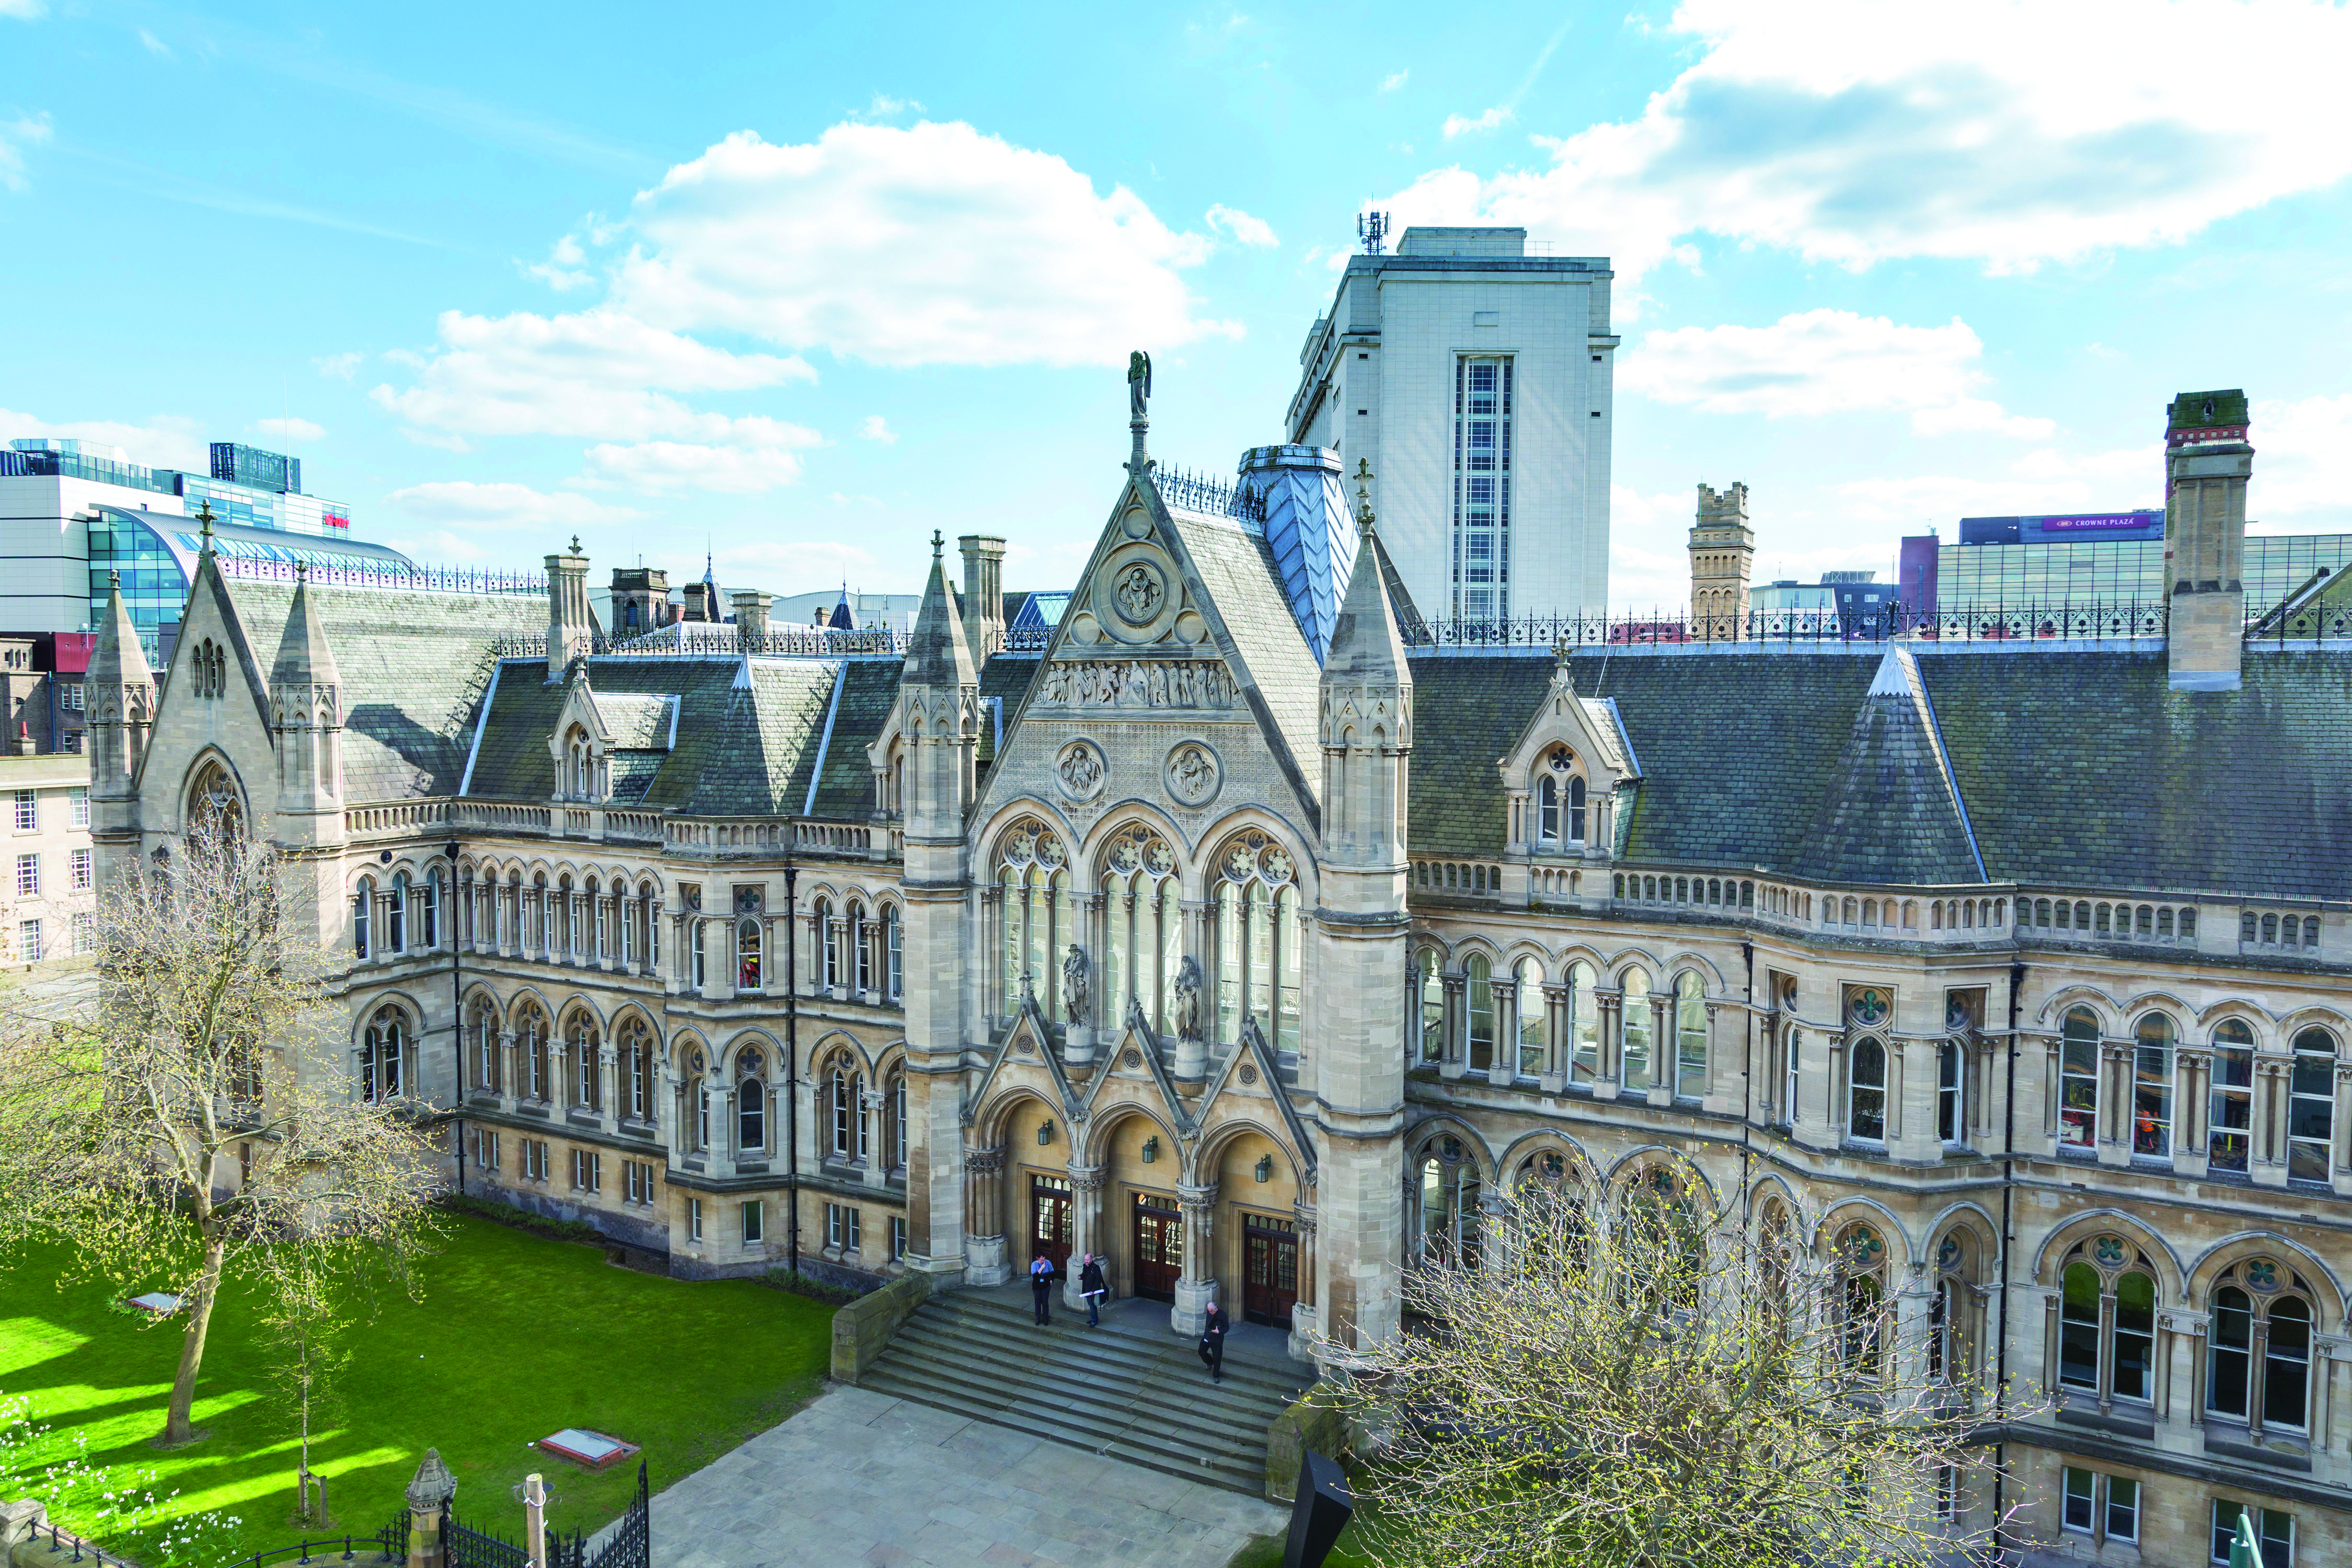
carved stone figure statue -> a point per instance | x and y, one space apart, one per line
1188 999
1138 385
1074 984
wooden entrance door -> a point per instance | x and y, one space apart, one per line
1049 1220
1269 1271
1159 1246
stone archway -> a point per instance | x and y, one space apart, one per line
1133 1200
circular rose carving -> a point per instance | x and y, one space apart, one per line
1080 770
1130 1057
1139 590
1193 773
1249 1075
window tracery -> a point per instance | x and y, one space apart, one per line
1034 881
2259 1365
1144 939
1449 1189
2107 1333
1258 937
383 1055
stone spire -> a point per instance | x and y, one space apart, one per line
305 705
121 696
1365 646
937 653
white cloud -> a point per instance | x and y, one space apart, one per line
441 546
1853 133
1826 361
798 560
883 105
22 10
155 45
876 429
341 366
929 244
563 270
1494 119
760 462
289 428
1392 83
463 503
597 373
166 441
15 135
1248 230
2302 459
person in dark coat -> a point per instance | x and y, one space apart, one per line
1094 1288
1041 1286
1213 1344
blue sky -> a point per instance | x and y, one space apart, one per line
813 282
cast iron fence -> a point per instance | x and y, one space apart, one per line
389 1544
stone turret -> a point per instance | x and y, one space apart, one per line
306 706
640 600
1722 554
983 593
1360 933
120 696
751 615
939 722
2207 463
568 633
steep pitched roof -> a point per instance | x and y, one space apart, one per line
1890 812
304 656
1364 642
1245 584
413 664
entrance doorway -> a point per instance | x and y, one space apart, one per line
1159 1246
1049 1221
1269 1269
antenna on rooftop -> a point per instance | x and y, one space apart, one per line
1372 228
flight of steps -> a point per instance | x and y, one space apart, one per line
1146 1400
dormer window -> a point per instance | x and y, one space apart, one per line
579 781
1560 799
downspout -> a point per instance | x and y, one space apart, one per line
2007 1176
456 1017
1748 1082
793 1041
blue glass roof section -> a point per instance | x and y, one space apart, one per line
1310 529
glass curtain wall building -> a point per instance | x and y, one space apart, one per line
156 554
2116 572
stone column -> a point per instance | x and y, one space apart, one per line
2339 1157
986 1260
2268 1166
1196 1286
1456 1059
509 1065
2193 1107
1503 1070
1664 1045
1558 1045
1606 1074
428 1497
1085 1220
1306 1316
608 1084
2114 1102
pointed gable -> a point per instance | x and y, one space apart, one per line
304 657
1892 811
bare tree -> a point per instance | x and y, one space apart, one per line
1628 1378
201 1116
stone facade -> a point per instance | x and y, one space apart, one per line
1267 976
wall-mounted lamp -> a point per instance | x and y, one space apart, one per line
1046 1131
1266 1167
1151 1149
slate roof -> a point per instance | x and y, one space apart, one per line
413 665
1239 571
2071 768
1890 812
636 723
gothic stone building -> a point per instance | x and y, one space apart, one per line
1224 936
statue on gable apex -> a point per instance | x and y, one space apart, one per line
1139 386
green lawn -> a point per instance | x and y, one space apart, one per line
516 1337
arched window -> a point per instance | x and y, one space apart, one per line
1430 1000
694 951
2311 1107
845 1092
1535 1023
214 804
1548 810
751 1103
545 921
1448 1234
395 914
1034 894
1690 1036
1948 1355
1559 800
748 943
1145 946
649 911
363 918
1950 1085
582 1040
1258 939
2260 1362
1479 992
1634 1030
1862 1300
2152 1086
428 911
1583 1023
482 1046
530 1054
383 1055
1866 1090
2229 1116
2107 1320
1576 809
894 1101
635 1084
2078 1079
894 946
861 949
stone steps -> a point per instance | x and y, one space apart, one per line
1143 1400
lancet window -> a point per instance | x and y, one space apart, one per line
1257 940
1034 880
1143 942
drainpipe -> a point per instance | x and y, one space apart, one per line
2007 1176
457 1015
793 1040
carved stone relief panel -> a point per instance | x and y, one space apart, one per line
1136 683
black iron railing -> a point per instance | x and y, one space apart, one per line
389 1544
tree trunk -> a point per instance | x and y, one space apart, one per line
177 1427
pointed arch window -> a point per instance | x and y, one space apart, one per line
2152 1086
530 1054
1866 1090
1258 939
1633 1029
2107 1320
1862 1300
395 915
428 911
482 1050
1950 1122
1430 1000
751 1103
2311 1107
383 1055
1035 908
893 1100
214 804
1690 1036
748 952
2260 1363
363 918
1447 1235
2229 1113
635 1084
1534 1020
1479 1013
582 1064
895 947
1145 945
2078 1079
857 931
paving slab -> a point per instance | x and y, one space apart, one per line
861 1477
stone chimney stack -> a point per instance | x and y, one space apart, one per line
1722 553
751 615
2207 463
983 593
568 632
640 600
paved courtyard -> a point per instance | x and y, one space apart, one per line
860 1477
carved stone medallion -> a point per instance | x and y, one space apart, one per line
1080 770
1193 773
1138 591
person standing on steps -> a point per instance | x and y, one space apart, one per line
1094 1288
1041 1286
1213 1344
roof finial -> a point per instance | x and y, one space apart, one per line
114 579
301 570
938 540
204 516
1364 494
575 545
